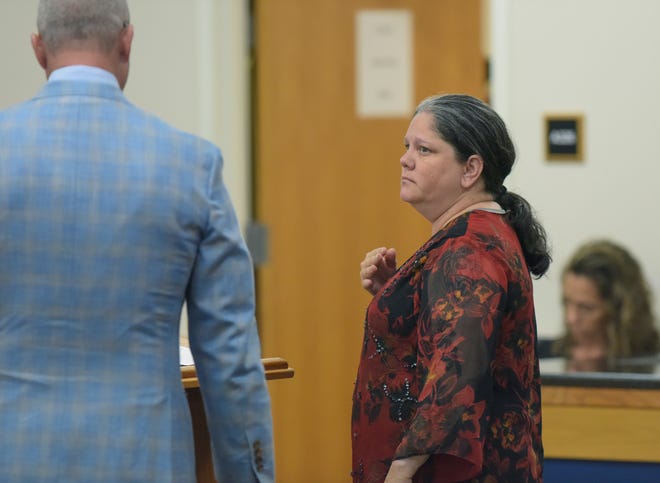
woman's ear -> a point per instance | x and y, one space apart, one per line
472 169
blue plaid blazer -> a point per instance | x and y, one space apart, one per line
109 220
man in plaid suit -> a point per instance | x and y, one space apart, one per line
109 220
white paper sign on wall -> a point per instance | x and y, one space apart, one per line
384 63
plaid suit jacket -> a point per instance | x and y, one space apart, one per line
109 220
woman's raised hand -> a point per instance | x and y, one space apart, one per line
377 268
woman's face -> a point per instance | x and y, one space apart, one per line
430 174
585 311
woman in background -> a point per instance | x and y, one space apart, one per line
448 385
607 308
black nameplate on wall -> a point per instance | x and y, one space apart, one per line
564 137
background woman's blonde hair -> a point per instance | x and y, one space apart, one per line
621 284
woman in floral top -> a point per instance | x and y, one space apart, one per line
448 386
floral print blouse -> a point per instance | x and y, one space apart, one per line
448 366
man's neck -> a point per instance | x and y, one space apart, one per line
76 57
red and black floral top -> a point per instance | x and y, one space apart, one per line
449 365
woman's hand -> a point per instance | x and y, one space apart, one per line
377 268
403 470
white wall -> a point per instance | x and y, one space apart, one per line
601 58
21 75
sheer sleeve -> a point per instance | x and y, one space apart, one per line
462 300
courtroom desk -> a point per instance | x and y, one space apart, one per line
275 368
601 426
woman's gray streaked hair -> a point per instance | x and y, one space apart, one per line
100 21
472 127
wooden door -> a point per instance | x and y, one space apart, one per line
326 185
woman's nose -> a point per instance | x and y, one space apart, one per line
570 315
406 160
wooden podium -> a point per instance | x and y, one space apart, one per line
275 367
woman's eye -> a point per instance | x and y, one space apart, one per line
424 149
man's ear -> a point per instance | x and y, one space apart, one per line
472 169
125 42
39 50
